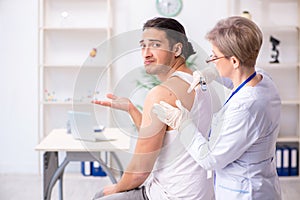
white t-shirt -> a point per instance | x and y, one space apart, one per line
176 175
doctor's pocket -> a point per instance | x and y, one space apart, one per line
233 189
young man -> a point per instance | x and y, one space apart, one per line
161 168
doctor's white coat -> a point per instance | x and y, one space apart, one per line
241 147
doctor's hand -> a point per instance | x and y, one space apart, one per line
170 115
120 103
207 75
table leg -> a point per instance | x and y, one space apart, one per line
58 174
118 162
50 164
107 171
61 186
53 172
91 156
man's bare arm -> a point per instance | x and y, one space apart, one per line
149 143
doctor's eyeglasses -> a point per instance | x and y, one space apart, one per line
212 58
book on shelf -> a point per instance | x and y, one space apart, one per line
287 159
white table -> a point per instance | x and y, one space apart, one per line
76 150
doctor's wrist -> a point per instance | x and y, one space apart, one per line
184 125
187 132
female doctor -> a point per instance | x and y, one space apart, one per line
241 147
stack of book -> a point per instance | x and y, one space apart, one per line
287 159
92 169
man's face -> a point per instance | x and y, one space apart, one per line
156 51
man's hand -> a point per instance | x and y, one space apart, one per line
107 190
170 115
120 103
110 189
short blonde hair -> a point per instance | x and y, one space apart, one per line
237 36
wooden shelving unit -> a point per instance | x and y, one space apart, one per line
68 31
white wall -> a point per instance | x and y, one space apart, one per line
19 77
198 17
18 86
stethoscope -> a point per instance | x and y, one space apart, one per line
241 85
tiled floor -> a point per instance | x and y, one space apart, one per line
77 187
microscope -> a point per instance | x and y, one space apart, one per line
275 53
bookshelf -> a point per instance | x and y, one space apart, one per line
69 30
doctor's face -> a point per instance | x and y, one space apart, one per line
222 62
156 51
